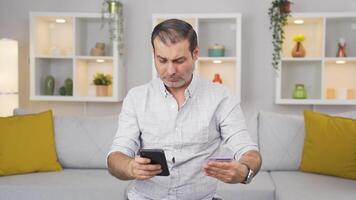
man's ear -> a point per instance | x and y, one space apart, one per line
196 52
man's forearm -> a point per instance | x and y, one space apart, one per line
119 166
252 159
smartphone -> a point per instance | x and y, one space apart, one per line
157 157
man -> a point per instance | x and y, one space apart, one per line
189 118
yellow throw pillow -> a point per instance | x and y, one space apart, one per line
329 145
27 144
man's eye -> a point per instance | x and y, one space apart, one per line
180 61
162 61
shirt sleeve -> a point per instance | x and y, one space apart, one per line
127 136
233 128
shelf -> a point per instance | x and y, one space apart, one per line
211 59
315 102
304 72
340 27
52 38
86 40
217 31
60 69
105 58
329 80
71 57
312 29
85 71
53 57
207 69
213 28
334 59
301 59
340 80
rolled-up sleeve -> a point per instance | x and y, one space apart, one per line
126 139
233 128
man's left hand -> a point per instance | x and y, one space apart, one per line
228 172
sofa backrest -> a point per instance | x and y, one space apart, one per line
281 139
83 142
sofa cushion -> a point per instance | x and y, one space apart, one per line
69 184
261 187
281 140
27 144
329 145
83 142
307 186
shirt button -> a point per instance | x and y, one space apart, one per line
173 160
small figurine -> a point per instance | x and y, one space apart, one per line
49 85
217 79
98 50
341 52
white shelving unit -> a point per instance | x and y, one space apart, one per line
326 82
224 29
63 51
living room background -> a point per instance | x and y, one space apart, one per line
258 76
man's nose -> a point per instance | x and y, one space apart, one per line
171 68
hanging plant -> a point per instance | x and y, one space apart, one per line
114 11
278 13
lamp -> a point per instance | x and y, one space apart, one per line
9 98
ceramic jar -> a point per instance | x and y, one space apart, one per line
299 92
216 50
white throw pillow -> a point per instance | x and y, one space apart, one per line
83 142
281 139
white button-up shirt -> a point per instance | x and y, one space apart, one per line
209 117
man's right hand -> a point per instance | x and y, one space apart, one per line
141 169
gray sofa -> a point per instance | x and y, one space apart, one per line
82 144
281 138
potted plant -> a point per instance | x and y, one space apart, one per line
278 13
102 82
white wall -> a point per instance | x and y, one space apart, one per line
257 74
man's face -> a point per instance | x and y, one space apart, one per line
174 62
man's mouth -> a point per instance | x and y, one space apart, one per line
172 79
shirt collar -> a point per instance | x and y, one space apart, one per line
187 93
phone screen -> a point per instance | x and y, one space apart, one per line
156 156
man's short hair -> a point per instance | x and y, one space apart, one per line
173 31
